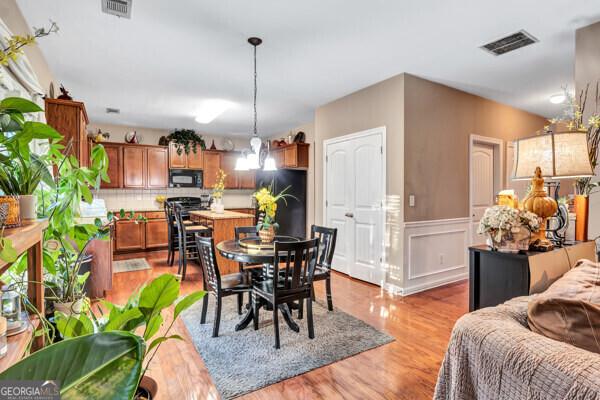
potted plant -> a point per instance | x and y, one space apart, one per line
141 314
217 193
186 140
508 228
267 205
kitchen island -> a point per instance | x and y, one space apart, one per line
223 226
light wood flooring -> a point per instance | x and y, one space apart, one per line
404 369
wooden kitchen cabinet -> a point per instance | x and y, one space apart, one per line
246 179
156 233
134 167
228 160
277 155
70 119
212 164
157 171
129 235
183 160
114 153
292 156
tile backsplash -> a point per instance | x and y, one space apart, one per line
144 199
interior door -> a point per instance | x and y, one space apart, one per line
482 186
355 192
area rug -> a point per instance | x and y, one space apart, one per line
244 361
133 264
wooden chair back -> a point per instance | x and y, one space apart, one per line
327 238
294 263
245 231
208 260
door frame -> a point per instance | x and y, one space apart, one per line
379 130
498 148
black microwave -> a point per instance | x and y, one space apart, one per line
185 178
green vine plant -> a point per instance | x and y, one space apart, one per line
186 140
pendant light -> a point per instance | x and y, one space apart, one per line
250 160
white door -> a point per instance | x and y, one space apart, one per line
482 189
355 190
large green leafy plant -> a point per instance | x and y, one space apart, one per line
187 140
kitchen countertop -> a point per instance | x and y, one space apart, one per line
225 215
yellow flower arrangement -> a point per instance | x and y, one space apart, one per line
267 203
219 186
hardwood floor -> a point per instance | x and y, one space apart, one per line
404 369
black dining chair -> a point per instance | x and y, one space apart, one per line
242 232
293 269
173 236
327 238
217 285
186 238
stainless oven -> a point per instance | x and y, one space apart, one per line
185 178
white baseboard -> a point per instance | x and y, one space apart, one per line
433 284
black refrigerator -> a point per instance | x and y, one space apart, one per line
291 217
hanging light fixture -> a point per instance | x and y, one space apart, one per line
251 159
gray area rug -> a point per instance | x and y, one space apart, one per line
244 361
134 264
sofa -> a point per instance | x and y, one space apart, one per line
493 354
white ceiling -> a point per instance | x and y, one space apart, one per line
158 66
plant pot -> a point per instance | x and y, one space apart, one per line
218 207
267 235
582 211
28 204
147 389
511 242
10 211
70 308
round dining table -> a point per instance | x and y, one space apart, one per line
250 251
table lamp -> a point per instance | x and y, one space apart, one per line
551 155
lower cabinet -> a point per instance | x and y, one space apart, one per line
152 234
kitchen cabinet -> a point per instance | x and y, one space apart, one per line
246 179
212 164
70 119
183 160
114 153
139 235
228 160
134 167
292 156
129 235
157 171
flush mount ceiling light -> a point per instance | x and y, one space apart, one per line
252 159
558 98
211 109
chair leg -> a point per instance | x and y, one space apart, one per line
276 325
240 302
312 292
301 309
204 308
179 262
217 317
184 263
255 309
309 319
329 298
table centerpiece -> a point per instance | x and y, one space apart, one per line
508 229
267 205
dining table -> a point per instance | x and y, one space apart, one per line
250 250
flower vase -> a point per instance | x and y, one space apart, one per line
217 206
514 241
267 235
28 205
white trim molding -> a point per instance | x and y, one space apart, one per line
435 253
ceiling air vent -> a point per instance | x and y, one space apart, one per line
120 8
113 110
510 43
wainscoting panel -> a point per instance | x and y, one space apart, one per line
435 253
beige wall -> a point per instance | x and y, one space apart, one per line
379 105
438 123
12 17
587 70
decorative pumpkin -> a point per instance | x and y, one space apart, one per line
539 203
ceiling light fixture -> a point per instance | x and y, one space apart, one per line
253 158
558 98
211 109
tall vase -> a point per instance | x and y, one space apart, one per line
28 204
582 210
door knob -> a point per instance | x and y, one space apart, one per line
349 215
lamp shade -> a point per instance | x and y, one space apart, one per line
559 155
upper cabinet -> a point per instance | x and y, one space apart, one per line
228 160
185 161
292 156
70 119
211 165
225 160
136 166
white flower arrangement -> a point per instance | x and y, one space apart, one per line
499 221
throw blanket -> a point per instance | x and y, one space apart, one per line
493 355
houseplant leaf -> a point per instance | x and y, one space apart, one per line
100 366
19 104
158 294
187 301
